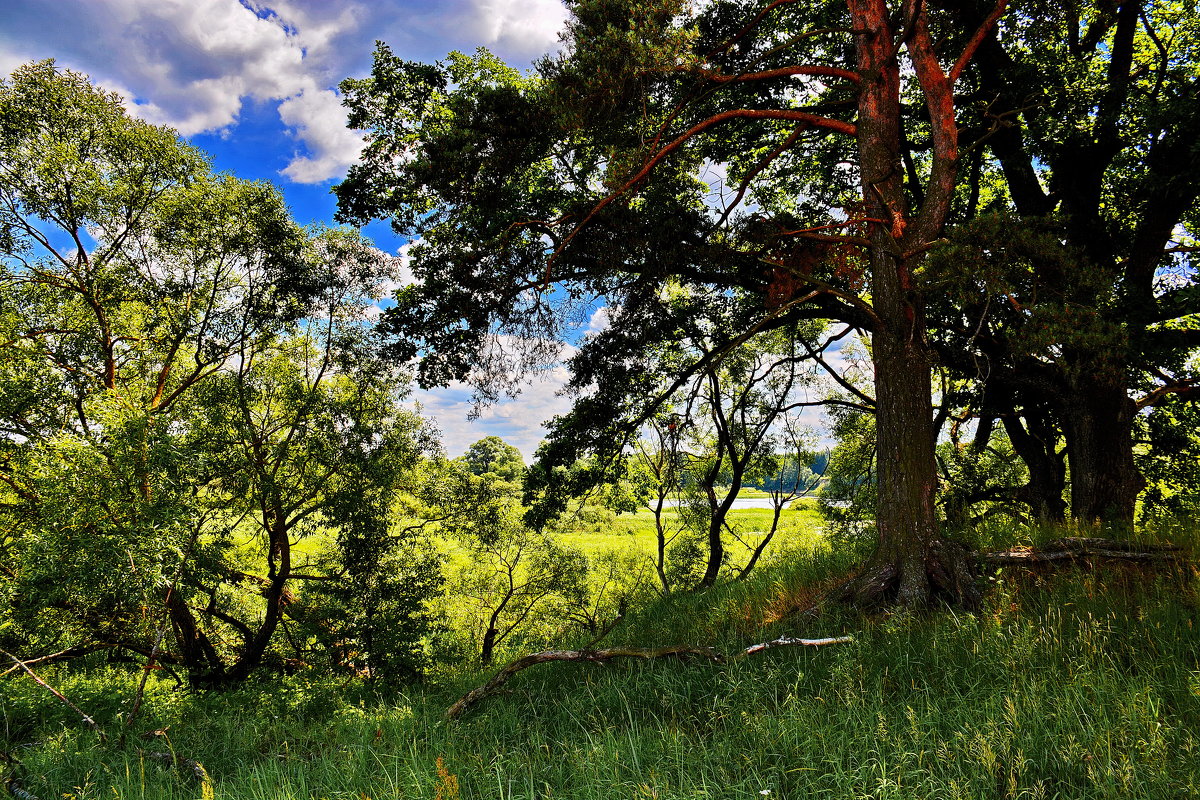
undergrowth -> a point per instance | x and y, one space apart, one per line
1073 683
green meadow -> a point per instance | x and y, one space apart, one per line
1075 682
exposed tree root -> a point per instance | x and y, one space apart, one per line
677 651
945 574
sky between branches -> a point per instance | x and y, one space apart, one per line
253 83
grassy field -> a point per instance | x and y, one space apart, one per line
799 526
1070 683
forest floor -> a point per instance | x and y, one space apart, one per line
1071 682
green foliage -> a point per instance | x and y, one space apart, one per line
1171 463
1014 278
847 500
495 458
980 481
189 391
506 583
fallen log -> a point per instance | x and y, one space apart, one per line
1078 548
598 656
787 641
12 783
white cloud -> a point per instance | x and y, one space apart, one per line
529 26
320 122
600 321
517 421
192 64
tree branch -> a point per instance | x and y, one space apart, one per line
812 120
969 51
599 656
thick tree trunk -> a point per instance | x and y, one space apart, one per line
1036 446
199 657
905 515
1098 421
912 565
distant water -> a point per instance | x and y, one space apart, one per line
741 502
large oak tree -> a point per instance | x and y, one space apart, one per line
1072 280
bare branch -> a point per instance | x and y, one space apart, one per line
969 51
782 72
811 120
91 723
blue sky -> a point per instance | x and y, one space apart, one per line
253 83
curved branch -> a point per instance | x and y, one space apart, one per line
751 25
811 120
782 72
969 51
597 656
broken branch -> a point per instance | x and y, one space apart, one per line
91 723
599 656
1075 548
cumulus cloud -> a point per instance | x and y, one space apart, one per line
192 64
319 121
600 321
517 421
529 26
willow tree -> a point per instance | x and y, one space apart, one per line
182 369
534 196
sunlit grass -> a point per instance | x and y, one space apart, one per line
1075 683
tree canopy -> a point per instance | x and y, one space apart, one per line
183 370
534 196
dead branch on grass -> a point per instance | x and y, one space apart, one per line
87 720
599 656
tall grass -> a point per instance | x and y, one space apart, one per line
1076 683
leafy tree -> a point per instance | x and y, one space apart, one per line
657 465
1074 289
131 274
185 372
1170 453
786 478
512 578
492 455
585 178
848 499
733 413
304 436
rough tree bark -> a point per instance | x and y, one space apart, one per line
1098 426
912 564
